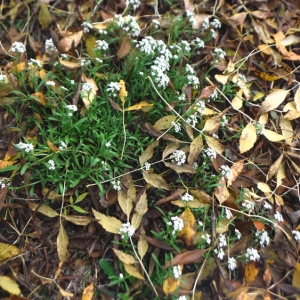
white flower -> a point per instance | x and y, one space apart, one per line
225 171
86 27
72 107
200 106
186 46
192 79
126 228
213 33
216 23
102 45
62 145
177 126
134 3
121 275
263 237
156 23
52 164
50 82
72 81
248 204
147 45
107 144
195 165
35 62
215 136
267 205
218 53
105 165
192 120
116 185
182 297
113 87
278 216
205 24
228 214
206 236
64 88
129 25
181 97
296 234
64 56
187 197
222 240
102 31
160 77
4 181
198 42
179 156
49 45
220 253
85 62
3 78
99 60
252 254
17 47
177 224
211 153
86 87
238 234
223 121
177 272
214 95
26 147
231 263
147 166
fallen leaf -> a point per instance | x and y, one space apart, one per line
131 270
88 96
185 168
148 153
52 147
236 169
188 257
142 245
272 136
195 149
140 209
62 244
264 187
214 144
125 47
251 272
8 251
170 285
156 180
273 100
90 44
111 224
43 209
274 168
88 292
78 220
123 92
188 232
140 106
164 122
296 276
44 17
9 285
221 191
124 257
287 130
248 138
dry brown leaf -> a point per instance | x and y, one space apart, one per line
221 191
62 244
156 180
124 257
170 285
43 209
4 164
274 168
280 174
199 19
111 224
273 100
52 147
236 169
125 47
248 138
237 101
297 99
164 123
188 257
127 196
39 97
88 292
52 195
70 40
214 144
188 232
140 209
279 200
212 124
79 220
272 136
70 65
185 168
148 153
131 270
195 149
251 272
287 130
142 245
170 148
264 187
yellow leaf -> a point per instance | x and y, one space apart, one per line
212 124
4 164
88 96
195 149
8 251
156 180
280 174
111 224
164 123
142 244
297 99
63 292
43 209
188 232
79 220
140 209
122 93
90 44
124 257
292 115
263 119
44 16
148 153
221 191
250 272
258 96
52 195
248 138
287 130
264 187
296 276
52 147
274 168
214 144
236 169
185 168
170 148
237 101
88 292
9 285
273 100
170 285
279 200
127 196
70 65
40 98
140 106
131 270
62 244
272 136
222 78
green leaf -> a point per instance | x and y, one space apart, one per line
79 209
107 267
24 168
81 197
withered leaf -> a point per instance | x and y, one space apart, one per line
195 149
124 257
111 224
188 232
148 153
62 244
156 180
131 270
248 138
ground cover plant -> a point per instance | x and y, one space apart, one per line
149 149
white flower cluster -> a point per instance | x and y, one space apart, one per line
200 106
262 238
72 108
177 224
231 263
113 88
228 214
49 45
198 42
108 144
190 74
252 254
187 197
267 205
177 271
35 62
50 82
26 147
278 216
205 24
212 33
182 297
135 3
238 234
156 23
225 171
148 45
101 45
220 253
64 56
211 153
248 204
216 23
101 31
3 78
207 238
126 228
85 62
63 145
179 157
296 234
223 121
147 166
218 53
105 165
4 182
129 25
222 240
52 164
192 120
17 47
116 185
177 126
86 87
86 27
213 96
